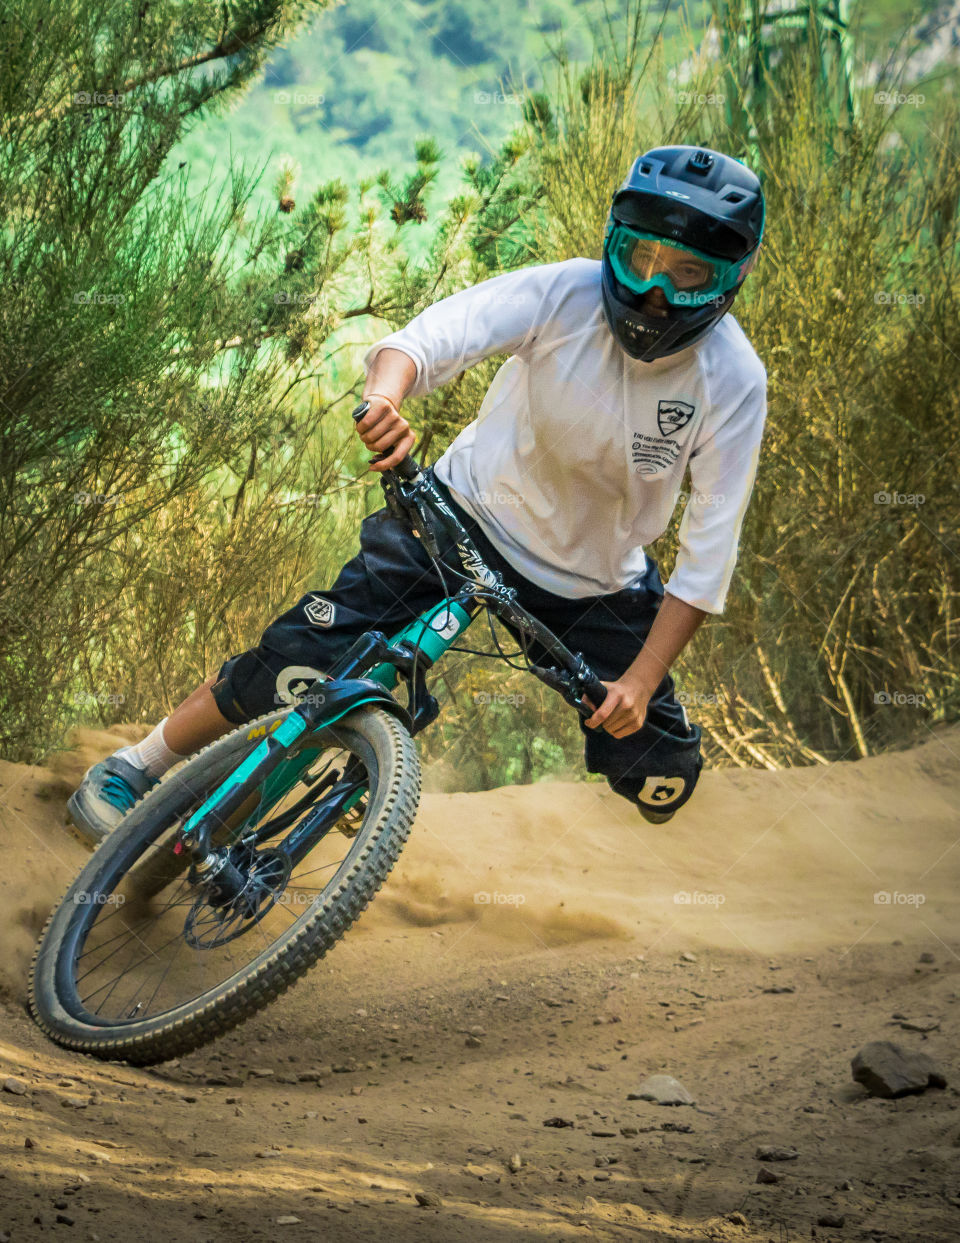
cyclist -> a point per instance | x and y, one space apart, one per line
623 374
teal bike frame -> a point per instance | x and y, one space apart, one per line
366 675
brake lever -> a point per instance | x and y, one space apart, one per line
565 685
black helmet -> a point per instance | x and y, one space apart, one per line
689 220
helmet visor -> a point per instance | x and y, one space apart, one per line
688 277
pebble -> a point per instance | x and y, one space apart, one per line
601 1176
558 1121
686 956
888 1070
774 1152
428 1199
831 1219
767 1176
515 1164
16 1086
920 1025
288 1220
472 1042
662 1090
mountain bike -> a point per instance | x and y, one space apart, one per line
248 862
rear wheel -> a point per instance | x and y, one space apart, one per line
140 962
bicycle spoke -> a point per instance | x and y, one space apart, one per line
135 963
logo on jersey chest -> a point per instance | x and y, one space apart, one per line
654 452
673 415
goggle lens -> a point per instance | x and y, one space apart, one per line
687 277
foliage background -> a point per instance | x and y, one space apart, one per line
192 276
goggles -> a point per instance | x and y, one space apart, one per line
687 277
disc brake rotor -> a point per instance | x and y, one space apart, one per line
208 926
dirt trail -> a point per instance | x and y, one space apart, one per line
740 949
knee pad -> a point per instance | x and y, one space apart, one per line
257 682
653 768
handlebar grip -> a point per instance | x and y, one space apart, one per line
408 467
595 691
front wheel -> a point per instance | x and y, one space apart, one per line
139 962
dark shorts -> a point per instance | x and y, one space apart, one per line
391 581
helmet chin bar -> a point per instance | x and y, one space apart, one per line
649 337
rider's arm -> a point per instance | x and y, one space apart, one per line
389 379
624 709
674 626
497 316
502 315
722 472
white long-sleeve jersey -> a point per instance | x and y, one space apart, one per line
577 456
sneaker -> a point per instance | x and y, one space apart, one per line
107 792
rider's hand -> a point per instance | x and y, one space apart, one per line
623 711
383 427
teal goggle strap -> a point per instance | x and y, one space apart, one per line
723 274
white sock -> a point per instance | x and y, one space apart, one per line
152 754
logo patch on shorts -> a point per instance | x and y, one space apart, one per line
320 612
661 790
